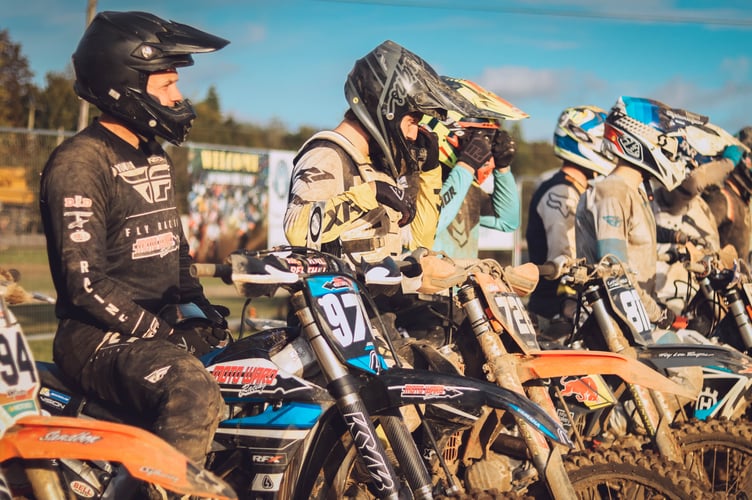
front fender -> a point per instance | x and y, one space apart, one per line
398 387
550 364
143 454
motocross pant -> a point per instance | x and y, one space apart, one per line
169 389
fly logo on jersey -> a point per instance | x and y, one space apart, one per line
80 217
152 182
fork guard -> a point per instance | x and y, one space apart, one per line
398 387
550 364
145 456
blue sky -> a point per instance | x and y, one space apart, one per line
288 59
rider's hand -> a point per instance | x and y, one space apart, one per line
666 319
397 199
475 148
503 149
217 315
190 341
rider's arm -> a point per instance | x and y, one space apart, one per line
317 187
453 193
505 203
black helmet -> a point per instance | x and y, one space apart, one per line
115 56
390 82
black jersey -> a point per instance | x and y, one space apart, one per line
115 242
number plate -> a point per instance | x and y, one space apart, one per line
627 304
19 381
341 315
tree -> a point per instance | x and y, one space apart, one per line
58 105
16 87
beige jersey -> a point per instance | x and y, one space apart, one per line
614 218
331 206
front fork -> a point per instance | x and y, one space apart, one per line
741 317
651 405
344 389
503 371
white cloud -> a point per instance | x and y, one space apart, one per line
519 82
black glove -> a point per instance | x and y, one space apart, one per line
215 313
189 340
425 150
666 320
475 148
396 198
503 149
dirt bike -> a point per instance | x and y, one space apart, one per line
55 457
718 451
319 409
496 340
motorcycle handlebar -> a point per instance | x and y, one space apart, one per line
548 270
223 271
699 268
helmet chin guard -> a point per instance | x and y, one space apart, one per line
115 56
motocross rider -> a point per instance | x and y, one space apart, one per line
684 218
465 206
729 202
550 234
355 190
115 243
614 215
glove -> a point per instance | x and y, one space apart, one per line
215 313
397 199
425 149
190 341
733 153
503 149
475 148
666 319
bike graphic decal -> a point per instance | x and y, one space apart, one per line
427 392
365 441
260 377
590 390
291 415
339 311
721 390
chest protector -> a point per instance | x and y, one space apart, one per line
376 234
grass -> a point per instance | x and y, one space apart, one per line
38 320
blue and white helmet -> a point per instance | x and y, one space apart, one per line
578 139
651 136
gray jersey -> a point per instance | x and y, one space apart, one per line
614 218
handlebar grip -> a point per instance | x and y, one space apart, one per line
696 267
223 271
